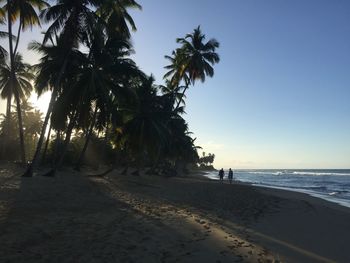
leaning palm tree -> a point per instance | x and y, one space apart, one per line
73 21
70 20
108 65
194 60
144 129
19 86
47 79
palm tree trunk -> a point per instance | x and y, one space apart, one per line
88 136
32 166
6 132
59 162
106 138
12 79
182 95
18 36
66 141
56 148
8 115
43 157
20 124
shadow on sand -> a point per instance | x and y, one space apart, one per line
71 218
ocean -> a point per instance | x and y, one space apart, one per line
332 185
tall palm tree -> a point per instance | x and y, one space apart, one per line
69 19
61 84
194 60
108 67
25 11
18 85
93 81
144 128
73 21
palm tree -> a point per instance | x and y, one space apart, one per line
70 19
32 121
3 34
67 105
24 10
115 13
23 79
73 21
173 91
43 157
144 131
177 68
87 140
181 148
193 60
108 67
19 86
94 80
3 52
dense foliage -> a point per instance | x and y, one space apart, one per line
103 108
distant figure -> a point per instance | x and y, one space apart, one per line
221 175
230 175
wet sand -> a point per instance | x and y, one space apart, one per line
79 218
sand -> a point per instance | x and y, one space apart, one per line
75 217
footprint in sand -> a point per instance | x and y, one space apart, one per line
231 247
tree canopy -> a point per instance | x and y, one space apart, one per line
100 100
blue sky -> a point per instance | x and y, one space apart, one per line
280 97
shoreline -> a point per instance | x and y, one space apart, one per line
81 218
308 193
310 217
295 190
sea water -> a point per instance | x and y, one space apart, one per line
332 185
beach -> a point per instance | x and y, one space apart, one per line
79 217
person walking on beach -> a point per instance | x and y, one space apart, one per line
230 175
221 175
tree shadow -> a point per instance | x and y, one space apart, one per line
71 218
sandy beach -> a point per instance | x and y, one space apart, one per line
76 217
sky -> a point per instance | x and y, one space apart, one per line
280 96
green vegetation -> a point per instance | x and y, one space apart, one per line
103 108
206 161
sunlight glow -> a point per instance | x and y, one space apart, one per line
42 102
